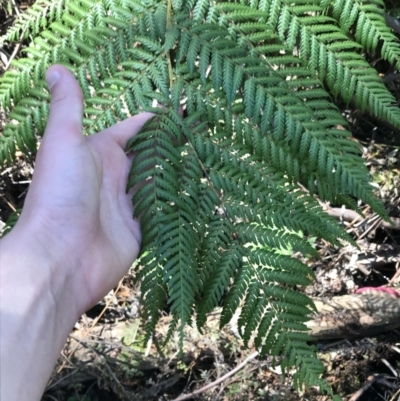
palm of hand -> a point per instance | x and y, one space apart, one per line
77 200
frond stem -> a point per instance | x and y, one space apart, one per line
168 25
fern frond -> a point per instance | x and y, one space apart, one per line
282 114
275 239
227 263
368 18
171 193
37 18
153 292
90 58
323 49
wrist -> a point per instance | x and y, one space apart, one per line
37 313
35 272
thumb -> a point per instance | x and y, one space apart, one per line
66 107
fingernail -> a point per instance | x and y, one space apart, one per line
52 76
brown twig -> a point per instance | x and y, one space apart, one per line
351 215
103 342
15 52
390 367
62 379
112 374
396 275
90 328
363 389
395 396
220 380
366 262
372 227
10 205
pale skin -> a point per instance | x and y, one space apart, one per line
74 241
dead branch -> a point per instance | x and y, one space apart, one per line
220 380
351 215
371 379
367 313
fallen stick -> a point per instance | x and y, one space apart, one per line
351 215
363 389
369 312
220 380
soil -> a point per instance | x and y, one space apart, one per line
105 357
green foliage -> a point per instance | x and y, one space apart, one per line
36 19
227 190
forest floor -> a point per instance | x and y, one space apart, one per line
105 357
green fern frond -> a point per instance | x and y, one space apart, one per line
323 49
296 119
368 18
172 194
226 263
37 18
153 292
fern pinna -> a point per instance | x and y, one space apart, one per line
226 189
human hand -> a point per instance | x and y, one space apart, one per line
74 241
77 212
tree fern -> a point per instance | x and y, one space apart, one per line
227 191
